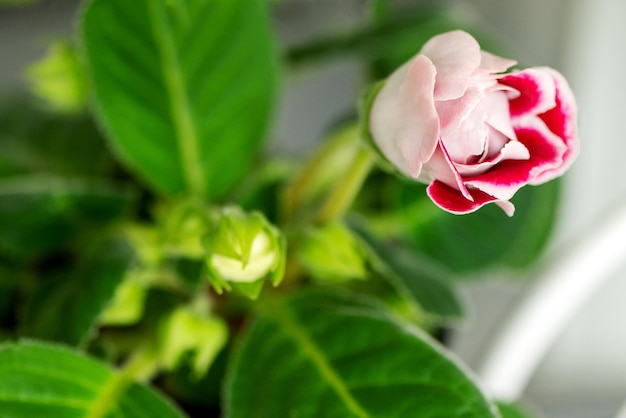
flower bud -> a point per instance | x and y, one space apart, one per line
186 331
58 79
128 303
331 252
244 250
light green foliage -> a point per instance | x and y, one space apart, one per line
127 305
332 253
184 88
195 332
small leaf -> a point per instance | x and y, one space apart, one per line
67 308
44 380
333 356
184 88
40 213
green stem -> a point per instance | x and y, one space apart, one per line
371 41
314 176
346 189
141 366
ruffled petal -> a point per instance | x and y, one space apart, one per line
498 115
456 55
441 167
537 91
453 201
403 119
562 121
513 150
505 179
465 132
490 63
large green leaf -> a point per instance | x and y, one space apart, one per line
486 238
66 308
42 380
332 356
40 213
184 88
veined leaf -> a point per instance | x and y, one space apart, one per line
42 380
332 356
183 87
67 308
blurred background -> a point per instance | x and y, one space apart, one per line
584 373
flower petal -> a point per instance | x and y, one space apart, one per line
456 55
441 167
490 63
513 150
403 119
497 110
452 201
465 134
546 152
562 121
537 91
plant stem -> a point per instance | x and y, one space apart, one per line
142 366
347 188
370 41
303 186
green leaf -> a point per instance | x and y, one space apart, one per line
332 356
42 380
40 213
67 308
508 410
424 287
486 238
35 141
184 88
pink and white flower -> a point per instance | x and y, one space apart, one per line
451 118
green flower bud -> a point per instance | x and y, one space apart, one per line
186 331
58 79
127 305
181 227
332 252
243 250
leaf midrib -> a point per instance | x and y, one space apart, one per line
186 130
285 318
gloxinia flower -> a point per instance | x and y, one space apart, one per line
451 118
